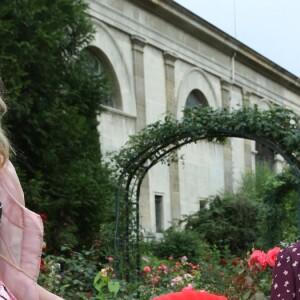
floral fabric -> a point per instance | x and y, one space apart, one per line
286 274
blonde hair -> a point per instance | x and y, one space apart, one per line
4 142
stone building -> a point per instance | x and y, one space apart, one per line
161 57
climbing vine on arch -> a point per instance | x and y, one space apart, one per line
277 128
157 142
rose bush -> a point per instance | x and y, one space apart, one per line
233 277
259 260
72 276
272 255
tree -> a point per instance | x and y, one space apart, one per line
54 101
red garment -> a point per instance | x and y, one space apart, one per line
190 295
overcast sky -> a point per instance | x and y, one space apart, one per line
270 27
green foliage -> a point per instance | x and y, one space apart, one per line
254 183
281 214
262 213
178 244
229 222
158 141
105 285
227 275
80 276
53 104
70 274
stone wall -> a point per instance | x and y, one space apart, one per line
159 53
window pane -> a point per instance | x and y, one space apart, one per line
196 99
159 213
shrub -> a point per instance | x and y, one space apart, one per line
179 243
70 275
229 222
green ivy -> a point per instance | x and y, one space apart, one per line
278 127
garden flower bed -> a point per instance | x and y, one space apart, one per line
80 276
233 277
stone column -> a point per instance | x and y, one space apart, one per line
169 60
227 148
247 143
138 44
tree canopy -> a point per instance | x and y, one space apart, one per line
54 100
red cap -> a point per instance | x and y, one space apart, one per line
190 295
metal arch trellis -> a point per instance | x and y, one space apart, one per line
139 155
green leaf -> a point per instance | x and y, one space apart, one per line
113 286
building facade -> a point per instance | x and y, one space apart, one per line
160 57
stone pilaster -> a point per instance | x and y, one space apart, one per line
138 45
246 98
247 143
227 148
225 90
169 60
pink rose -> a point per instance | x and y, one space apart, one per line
272 255
147 269
110 259
258 260
184 258
188 287
164 269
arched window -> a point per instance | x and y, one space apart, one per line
98 64
196 99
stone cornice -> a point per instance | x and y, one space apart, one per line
138 43
170 58
203 30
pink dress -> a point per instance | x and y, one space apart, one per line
21 238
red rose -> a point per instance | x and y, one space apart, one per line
235 261
257 260
42 266
43 216
147 269
272 255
